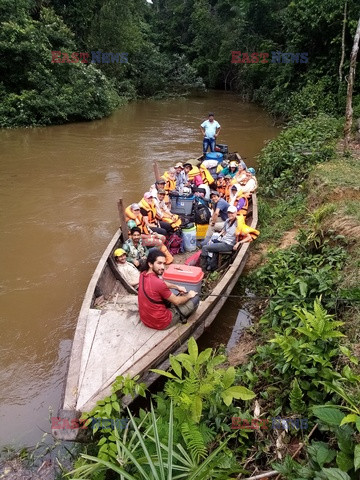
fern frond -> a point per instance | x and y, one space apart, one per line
194 441
296 402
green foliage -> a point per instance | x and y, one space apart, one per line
38 92
286 162
135 457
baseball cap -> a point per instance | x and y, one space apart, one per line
119 252
179 164
135 206
148 195
232 209
161 190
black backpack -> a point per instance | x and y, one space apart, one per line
202 213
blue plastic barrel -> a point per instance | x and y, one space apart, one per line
214 156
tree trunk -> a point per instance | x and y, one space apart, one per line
343 44
349 111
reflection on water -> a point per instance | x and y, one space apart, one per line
58 192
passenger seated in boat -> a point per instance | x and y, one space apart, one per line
239 199
136 252
135 219
226 241
170 177
163 212
148 211
220 208
249 182
159 308
231 170
181 178
127 270
228 183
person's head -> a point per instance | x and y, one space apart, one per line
131 224
214 197
135 208
135 233
155 261
120 255
148 197
211 117
200 192
187 167
251 170
233 166
172 172
161 194
178 168
160 184
234 189
227 179
231 211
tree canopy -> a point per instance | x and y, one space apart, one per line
172 46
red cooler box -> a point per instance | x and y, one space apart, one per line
184 276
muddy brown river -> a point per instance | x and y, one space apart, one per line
58 188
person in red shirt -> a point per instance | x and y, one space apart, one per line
157 304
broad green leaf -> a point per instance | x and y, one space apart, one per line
108 409
329 415
242 393
349 419
175 365
193 350
116 406
357 456
162 372
204 356
227 398
229 377
344 462
335 474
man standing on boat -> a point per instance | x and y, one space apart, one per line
158 306
210 129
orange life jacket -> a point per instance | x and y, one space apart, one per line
220 186
139 220
150 209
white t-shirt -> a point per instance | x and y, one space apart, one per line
129 272
210 128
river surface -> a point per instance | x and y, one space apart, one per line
58 191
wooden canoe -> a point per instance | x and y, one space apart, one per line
110 340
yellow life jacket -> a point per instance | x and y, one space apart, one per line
192 174
206 175
170 183
243 229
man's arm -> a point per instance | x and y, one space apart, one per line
181 299
217 131
215 216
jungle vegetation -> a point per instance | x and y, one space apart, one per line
172 47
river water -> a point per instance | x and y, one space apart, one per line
58 188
